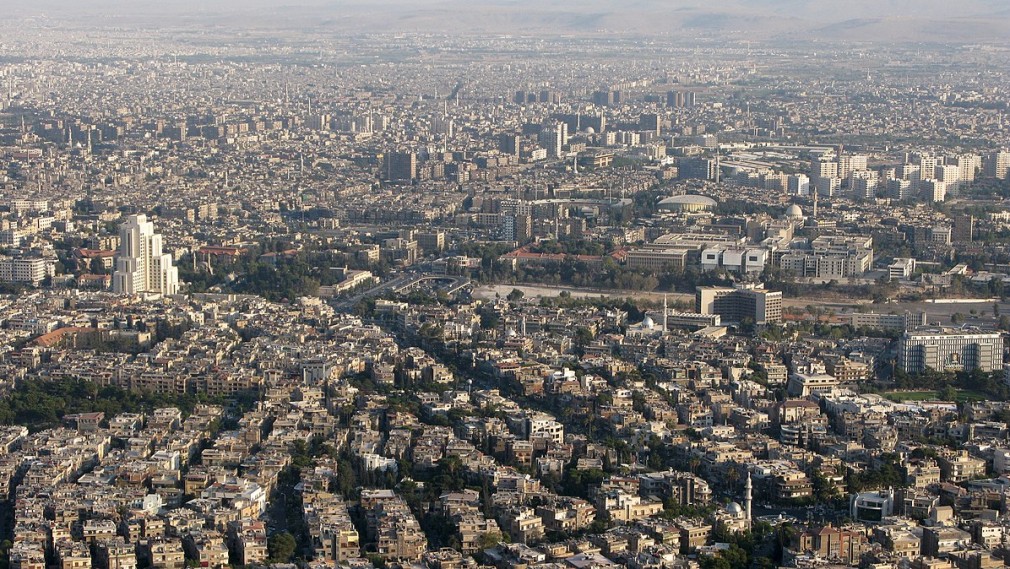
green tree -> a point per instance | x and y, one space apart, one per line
489 539
281 547
1004 322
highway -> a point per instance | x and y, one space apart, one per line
401 284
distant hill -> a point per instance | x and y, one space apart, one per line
850 20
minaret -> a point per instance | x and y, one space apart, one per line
747 499
666 316
815 203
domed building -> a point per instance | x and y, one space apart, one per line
794 212
735 517
645 328
687 203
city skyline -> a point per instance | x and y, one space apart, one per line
485 285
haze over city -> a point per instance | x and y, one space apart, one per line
505 284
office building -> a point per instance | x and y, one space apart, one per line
906 321
849 163
871 507
996 165
933 190
823 168
799 185
650 122
681 99
607 98
508 143
827 186
901 269
401 166
900 189
963 230
141 266
829 257
863 183
736 304
950 350
657 259
32 270
553 138
969 166
697 168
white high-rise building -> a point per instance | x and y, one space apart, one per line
863 183
553 137
140 264
799 185
997 165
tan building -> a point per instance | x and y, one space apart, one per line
740 303
657 259
624 507
830 542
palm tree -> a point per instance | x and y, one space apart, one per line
732 475
694 462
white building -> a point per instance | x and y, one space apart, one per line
1001 461
734 259
799 185
32 270
901 269
141 266
950 350
933 190
871 507
546 427
863 183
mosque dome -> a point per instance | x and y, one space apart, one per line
794 211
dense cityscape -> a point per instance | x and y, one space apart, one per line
445 301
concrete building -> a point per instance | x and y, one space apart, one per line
950 350
871 507
657 259
400 166
829 257
740 303
141 266
997 165
906 321
26 270
900 269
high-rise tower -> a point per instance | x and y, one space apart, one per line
141 267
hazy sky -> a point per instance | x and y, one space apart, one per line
920 20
